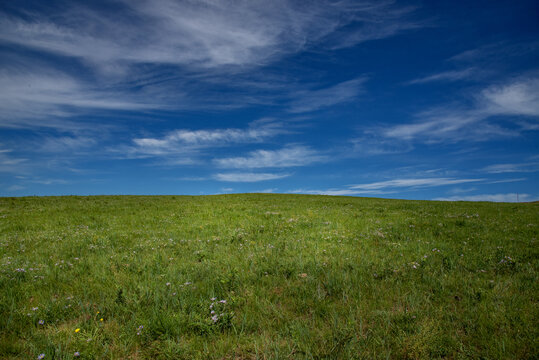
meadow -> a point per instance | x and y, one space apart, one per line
263 276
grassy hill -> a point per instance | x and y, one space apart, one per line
263 276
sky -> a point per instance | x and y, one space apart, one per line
429 100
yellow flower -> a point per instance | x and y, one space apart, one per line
77 330
98 312
101 319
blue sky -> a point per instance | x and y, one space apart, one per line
396 99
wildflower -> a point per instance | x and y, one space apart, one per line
77 330
40 356
213 299
35 308
41 322
222 301
101 319
214 318
167 284
212 312
76 354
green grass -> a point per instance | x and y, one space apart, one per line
304 277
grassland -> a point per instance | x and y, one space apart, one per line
287 276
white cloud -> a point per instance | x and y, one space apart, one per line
49 181
412 183
67 143
248 177
45 98
455 123
496 52
451 75
437 125
311 100
202 33
184 141
287 157
507 181
378 19
9 163
518 97
512 168
389 186
192 178
265 191
116 58
339 192
511 197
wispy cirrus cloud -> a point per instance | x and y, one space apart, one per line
509 197
495 52
165 55
389 186
450 75
452 123
249 176
512 168
412 183
67 143
377 20
289 156
46 98
339 192
518 97
191 141
200 34
311 100
9 163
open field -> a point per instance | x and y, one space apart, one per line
291 277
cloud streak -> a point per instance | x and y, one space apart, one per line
311 100
183 141
451 75
510 197
201 34
517 98
412 183
290 156
389 186
512 168
248 177
46 98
